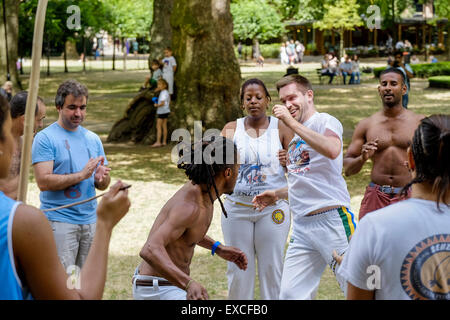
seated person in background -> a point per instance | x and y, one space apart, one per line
326 70
355 68
346 69
433 59
414 59
151 82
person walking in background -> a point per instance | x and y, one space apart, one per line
260 235
408 72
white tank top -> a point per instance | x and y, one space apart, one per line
260 168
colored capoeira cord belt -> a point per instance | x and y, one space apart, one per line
83 201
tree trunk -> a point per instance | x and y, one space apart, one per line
9 42
48 56
448 42
341 43
124 50
66 70
208 74
114 53
161 30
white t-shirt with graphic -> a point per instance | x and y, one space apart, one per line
315 181
163 96
402 252
260 168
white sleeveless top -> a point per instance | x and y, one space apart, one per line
260 168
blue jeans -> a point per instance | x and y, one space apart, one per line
352 77
405 100
357 75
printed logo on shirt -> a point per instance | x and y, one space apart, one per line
425 272
278 216
253 177
72 192
298 157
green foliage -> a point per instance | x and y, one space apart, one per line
128 18
342 14
424 70
439 82
267 50
255 19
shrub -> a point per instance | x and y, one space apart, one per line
267 50
439 82
424 70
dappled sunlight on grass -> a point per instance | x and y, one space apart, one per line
154 178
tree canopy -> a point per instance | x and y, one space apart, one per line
256 19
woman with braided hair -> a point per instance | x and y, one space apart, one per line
403 250
164 273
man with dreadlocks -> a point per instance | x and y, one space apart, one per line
383 138
183 222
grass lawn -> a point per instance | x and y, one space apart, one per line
155 178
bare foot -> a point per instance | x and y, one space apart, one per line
156 145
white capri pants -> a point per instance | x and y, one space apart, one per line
261 236
310 250
155 291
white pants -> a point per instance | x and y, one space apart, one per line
155 292
313 240
261 236
169 78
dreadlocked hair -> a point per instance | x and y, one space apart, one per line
205 159
431 151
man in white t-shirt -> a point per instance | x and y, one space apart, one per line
317 192
169 68
402 251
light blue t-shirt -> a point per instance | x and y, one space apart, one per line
11 287
70 151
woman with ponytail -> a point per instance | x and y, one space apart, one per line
164 273
403 251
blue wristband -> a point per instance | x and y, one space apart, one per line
214 247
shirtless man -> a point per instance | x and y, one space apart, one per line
384 137
183 223
10 185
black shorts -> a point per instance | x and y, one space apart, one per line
163 115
